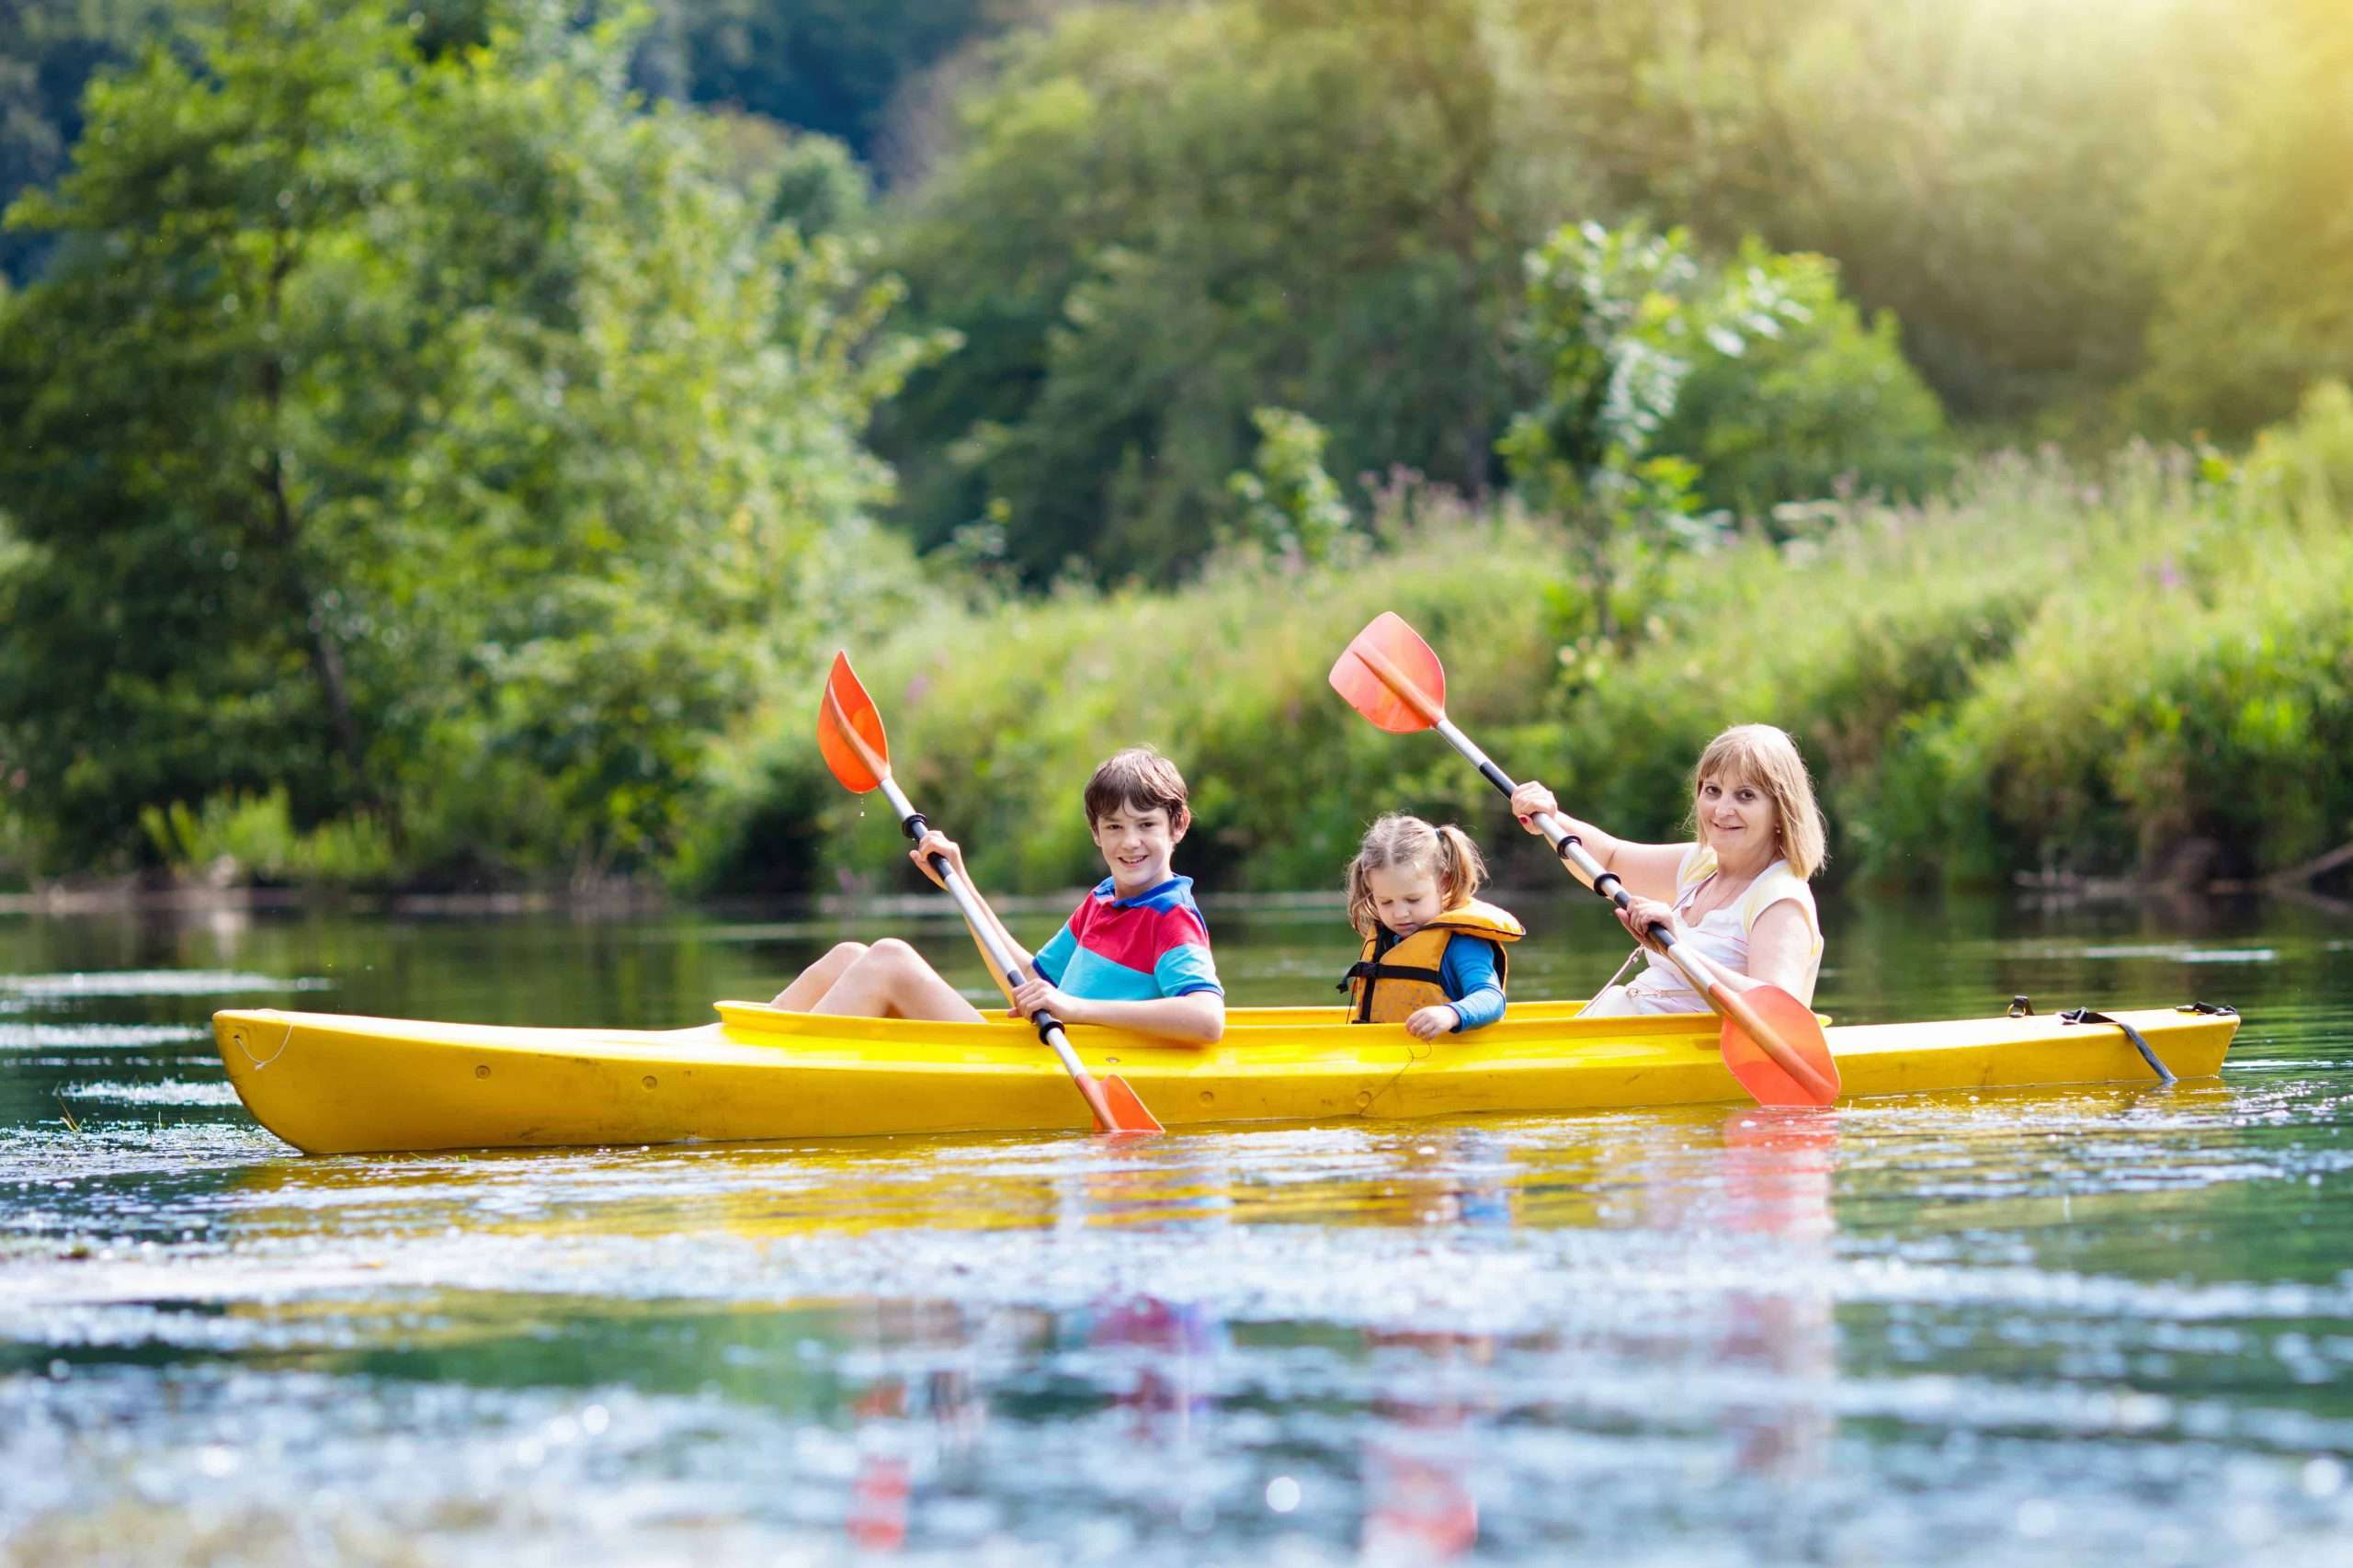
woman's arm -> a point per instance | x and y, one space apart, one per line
1781 952
1648 870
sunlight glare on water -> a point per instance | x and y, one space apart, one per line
2028 1326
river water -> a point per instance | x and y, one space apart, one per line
2098 1323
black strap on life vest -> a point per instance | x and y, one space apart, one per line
2086 1015
1372 972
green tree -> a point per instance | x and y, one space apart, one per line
832 66
48 50
1793 397
440 436
1975 168
2247 224
1150 221
1608 323
1289 505
1670 386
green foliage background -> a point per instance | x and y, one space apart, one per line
2048 667
439 441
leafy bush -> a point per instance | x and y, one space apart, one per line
999 712
253 838
2306 467
1795 397
1668 385
1289 505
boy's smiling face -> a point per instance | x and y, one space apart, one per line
1136 842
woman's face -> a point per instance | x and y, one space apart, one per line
1738 820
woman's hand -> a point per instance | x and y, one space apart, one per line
1034 995
1428 1023
1640 913
1531 800
938 842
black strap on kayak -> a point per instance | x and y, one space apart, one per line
2086 1015
2021 1006
2209 1009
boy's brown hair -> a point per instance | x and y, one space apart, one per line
1141 780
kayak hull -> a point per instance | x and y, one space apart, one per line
331 1084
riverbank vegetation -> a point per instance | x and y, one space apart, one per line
442 441
2047 667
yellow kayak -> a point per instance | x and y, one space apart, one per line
330 1084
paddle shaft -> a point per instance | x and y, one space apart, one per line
1048 1028
1556 832
1703 975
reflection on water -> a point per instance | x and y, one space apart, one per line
2040 1326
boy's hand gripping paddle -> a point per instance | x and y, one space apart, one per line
1772 1042
850 734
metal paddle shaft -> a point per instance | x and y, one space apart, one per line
1048 1028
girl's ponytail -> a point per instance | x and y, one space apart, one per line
1459 869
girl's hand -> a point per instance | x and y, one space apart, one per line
1428 1023
1033 995
1531 800
938 842
1640 913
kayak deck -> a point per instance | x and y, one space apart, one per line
331 1083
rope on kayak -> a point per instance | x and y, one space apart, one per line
284 1040
1416 1051
2086 1015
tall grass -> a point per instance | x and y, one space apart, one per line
2048 666
999 710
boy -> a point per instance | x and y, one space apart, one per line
1134 955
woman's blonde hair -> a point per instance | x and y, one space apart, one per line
1767 758
1397 840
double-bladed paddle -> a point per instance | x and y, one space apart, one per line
850 734
1772 1042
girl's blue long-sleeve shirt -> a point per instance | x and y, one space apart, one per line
1468 976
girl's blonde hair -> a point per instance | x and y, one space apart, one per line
1397 840
1767 758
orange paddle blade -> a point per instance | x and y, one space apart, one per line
1128 1112
1391 676
849 731
1766 1015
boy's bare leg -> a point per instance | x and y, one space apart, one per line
818 978
893 982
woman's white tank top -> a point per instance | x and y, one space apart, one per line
1720 936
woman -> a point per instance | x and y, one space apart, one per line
1737 895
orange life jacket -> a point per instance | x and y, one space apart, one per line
1397 976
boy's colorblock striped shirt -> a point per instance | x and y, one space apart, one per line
1132 949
